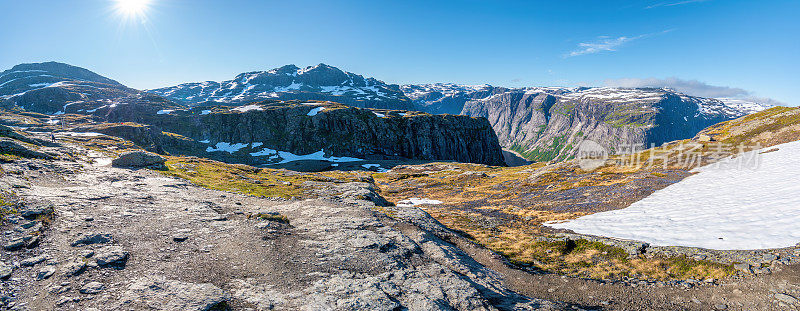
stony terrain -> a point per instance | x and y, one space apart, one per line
84 235
81 234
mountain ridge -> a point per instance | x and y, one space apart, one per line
320 82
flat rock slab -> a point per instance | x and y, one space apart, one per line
162 294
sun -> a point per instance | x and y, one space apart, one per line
132 8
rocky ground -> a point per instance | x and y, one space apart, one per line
89 236
80 234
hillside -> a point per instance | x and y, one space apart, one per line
504 209
52 87
320 82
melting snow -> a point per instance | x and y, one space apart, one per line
721 207
227 147
248 108
315 111
378 166
52 121
417 201
286 157
380 115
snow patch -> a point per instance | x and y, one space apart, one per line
720 207
226 147
165 111
315 111
417 201
248 108
205 112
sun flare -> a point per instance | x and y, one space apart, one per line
132 8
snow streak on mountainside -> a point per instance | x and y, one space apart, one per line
742 217
321 82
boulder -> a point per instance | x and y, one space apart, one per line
92 288
111 255
138 159
91 238
5 270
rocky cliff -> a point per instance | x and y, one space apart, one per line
545 124
277 132
320 82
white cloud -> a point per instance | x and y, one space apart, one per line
663 4
692 87
600 45
606 43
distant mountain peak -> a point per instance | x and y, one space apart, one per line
318 82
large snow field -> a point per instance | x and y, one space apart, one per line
721 207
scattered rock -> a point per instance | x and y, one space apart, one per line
33 241
45 273
33 211
172 295
91 238
29 224
180 237
30 262
769 257
787 299
5 270
15 244
74 268
92 288
744 267
111 255
64 300
721 307
138 159
87 253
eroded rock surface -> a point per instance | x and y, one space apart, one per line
111 245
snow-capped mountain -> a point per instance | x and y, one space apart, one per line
439 98
320 82
450 98
51 87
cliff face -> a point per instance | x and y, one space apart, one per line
544 124
275 132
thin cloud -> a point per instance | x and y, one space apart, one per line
608 44
667 4
693 87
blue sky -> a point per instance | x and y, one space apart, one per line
713 47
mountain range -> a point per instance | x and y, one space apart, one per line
537 123
320 82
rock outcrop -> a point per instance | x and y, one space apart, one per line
273 132
138 159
